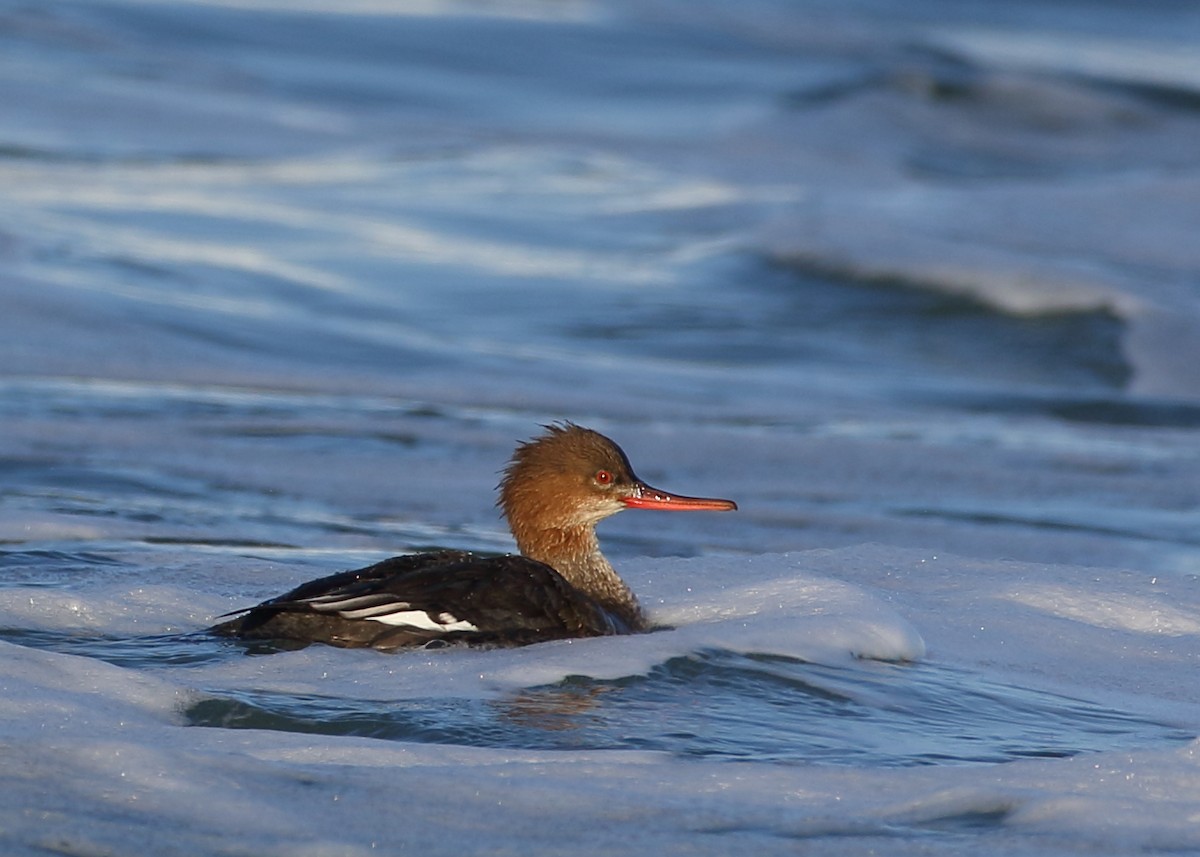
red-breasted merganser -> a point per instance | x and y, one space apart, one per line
555 490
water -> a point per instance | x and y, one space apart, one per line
917 286
717 705
710 704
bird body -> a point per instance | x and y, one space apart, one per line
554 491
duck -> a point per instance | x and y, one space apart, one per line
554 490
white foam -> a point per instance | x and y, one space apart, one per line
103 744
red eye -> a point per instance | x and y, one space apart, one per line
603 477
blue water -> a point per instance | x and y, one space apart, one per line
718 705
281 287
713 704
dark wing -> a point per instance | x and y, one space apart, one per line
364 579
452 597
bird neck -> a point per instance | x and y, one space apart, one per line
574 552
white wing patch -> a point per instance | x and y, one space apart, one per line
343 604
424 621
381 607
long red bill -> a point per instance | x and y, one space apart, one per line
645 497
